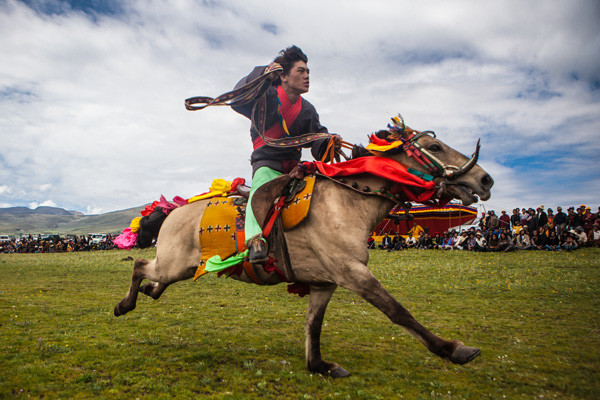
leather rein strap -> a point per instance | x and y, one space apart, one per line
254 89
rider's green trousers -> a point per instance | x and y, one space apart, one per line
261 176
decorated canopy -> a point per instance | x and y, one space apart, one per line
437 219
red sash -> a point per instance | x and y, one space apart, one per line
289 112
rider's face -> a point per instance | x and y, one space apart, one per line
297 78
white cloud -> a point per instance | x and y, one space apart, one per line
47 203
92 111
91 210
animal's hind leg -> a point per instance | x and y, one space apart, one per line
153 289
128 303
360 280
319 298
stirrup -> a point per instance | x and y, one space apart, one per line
257 250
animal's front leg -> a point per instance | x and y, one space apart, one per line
360 280
319 298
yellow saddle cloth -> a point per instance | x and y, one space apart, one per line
222 225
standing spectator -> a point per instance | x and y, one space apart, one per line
574 220
493 221
542 217
515 218
560 219
550 222
524 216
532 223
504 220
588 221
482 222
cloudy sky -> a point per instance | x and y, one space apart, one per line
91 92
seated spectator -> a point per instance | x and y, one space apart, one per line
493 243
541 239
438 241
505 243
552 243
425 242
462 242
596 235
386 243
411 242
370 243
447 241
570 243
399 243
523 241
477 242
582 240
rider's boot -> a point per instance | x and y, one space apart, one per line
257 250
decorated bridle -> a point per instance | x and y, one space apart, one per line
407 138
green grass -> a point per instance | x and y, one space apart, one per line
533 314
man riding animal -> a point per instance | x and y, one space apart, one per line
287 115
398 165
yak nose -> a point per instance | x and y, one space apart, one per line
487 182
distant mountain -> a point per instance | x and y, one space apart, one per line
22 220
42 210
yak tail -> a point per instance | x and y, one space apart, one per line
149 227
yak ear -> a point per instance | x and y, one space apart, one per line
360 151
383 134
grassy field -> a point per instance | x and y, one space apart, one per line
535 316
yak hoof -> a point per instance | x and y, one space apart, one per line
119 310
464 354
338 372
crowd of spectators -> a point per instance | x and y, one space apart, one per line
525 229
56 244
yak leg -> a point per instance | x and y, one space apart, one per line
361 281
145 269
128 303
153 289
319 298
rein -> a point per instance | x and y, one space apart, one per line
255 89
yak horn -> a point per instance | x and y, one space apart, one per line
467 166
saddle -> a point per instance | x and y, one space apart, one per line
221 231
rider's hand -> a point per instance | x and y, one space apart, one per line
337 141
274 75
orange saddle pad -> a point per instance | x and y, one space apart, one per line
222 224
